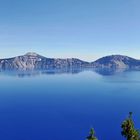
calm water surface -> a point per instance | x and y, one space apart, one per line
65 105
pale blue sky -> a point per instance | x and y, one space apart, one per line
86 29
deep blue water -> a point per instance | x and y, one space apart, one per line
65 105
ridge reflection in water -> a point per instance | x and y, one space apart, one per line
32 73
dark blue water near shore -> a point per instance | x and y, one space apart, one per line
64 105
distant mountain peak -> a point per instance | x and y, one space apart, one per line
117 61
114 57
32 54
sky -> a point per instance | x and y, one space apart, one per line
85 29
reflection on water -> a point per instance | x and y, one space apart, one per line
108 72
32 73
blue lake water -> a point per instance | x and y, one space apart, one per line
65 105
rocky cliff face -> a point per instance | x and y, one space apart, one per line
117 62
34 61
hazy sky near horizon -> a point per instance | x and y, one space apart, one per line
86 29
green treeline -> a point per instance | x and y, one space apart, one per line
129 132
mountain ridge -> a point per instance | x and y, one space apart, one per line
117 61
32 60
